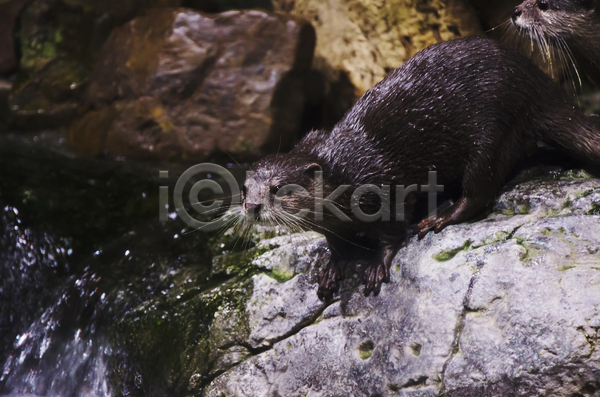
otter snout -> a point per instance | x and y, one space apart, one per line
253 210
254 198
517 13
529 13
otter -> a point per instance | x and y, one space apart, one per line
468 109
571 28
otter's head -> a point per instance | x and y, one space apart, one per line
279 188
551 19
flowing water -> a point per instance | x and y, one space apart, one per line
85 267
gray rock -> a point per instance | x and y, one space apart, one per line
506 306
231 357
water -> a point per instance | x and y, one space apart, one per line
31 264
85 272
61 349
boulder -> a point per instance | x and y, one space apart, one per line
182 85
361 41
9 10
58 42
506 306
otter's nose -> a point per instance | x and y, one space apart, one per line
254 209
517 13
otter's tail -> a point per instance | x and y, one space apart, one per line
580 138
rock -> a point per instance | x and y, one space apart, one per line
180 85
508 305
361 41
5 86
59 42
272 310
215 6
198 326
9 10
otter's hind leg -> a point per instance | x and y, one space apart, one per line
462 210
482 179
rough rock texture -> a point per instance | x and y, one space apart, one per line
177 84
506 306
361 41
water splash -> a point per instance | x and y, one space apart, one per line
61 353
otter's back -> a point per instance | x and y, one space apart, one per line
442 107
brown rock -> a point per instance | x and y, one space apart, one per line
363 40
5 87
181 85
59 43
226 5
9 10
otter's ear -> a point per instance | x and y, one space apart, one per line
310 169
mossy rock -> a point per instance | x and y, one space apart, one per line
181 334
58 42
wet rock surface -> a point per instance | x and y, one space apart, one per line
177 84
508 305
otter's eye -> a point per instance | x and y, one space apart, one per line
275 189
543 5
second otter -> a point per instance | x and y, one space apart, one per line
570 27
469 109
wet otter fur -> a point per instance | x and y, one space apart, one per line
469 109
567 29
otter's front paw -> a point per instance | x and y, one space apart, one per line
435 224
329 279
374 276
